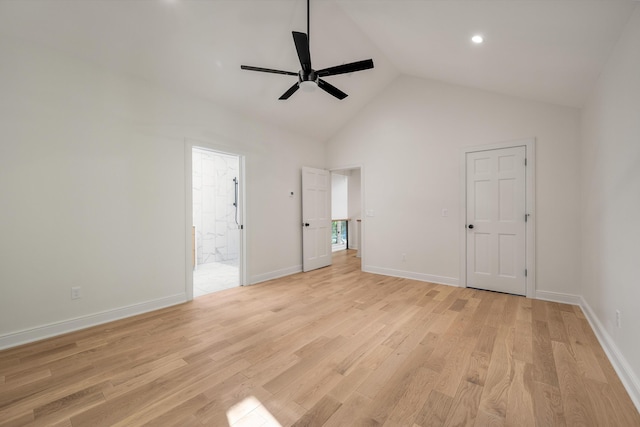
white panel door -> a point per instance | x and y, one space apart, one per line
316 218
496 208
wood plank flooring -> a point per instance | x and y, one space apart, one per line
333 347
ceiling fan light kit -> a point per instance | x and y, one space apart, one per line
308 78
308 86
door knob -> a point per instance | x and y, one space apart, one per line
306 224
471 226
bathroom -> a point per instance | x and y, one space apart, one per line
216 221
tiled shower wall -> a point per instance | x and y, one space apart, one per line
217 234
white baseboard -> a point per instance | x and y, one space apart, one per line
559 297
258 278
440 280
53 329
627 376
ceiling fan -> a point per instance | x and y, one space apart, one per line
308 78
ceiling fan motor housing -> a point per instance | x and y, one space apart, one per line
307 76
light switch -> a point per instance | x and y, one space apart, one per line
445 212
369 212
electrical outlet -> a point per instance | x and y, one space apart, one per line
404 257
445 212
75 292
618 319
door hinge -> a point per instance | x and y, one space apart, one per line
525 272
526 217
525 161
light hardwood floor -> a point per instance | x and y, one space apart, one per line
333 347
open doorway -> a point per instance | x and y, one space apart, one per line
217 221
346 210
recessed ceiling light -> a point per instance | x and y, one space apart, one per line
477 39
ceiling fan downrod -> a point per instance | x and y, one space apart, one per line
308 30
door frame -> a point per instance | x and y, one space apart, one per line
189 144
530 225
362 205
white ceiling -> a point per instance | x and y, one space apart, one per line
548 50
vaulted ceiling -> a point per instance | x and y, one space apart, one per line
547 50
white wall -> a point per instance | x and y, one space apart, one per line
92 184
611 203
408 141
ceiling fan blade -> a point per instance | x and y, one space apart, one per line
267 70
302 47
346 68
331 89
290 91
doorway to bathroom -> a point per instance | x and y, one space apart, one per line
216 234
